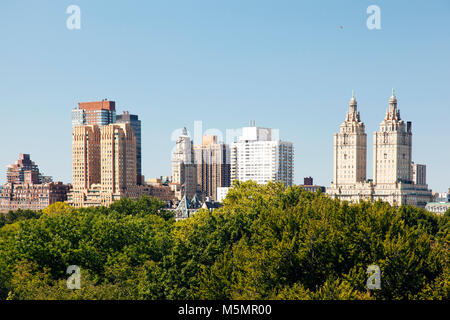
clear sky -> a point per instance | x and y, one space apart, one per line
287 64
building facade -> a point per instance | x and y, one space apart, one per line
118 163
392 148
308 185
440 203
30 196
393 179
160 189
15 173
419 173
438 207
257 156
25 190
85 157
350 148
135 123
104 165
213 166
98 113
222 193
184 171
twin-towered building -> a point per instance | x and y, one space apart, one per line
396 179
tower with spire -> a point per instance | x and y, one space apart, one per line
350 148
392 148
184 173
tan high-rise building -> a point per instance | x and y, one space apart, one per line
104 164
118 162
350 148
85 156
392 148
213 166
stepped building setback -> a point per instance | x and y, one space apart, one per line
107 156
25 189
100 113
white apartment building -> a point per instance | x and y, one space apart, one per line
259 157
184 173
222 193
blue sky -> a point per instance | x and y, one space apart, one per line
286 64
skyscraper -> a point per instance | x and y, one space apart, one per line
98 112
85 156
213 166
135 123
350 148
85 161
118 162
259 157
184 173
104 164
392 148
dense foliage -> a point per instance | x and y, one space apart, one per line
267 242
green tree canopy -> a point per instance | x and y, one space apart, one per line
266 242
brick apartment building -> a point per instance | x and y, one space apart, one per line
24 189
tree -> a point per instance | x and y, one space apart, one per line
266 242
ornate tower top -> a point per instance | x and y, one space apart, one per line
392 113
393 99
353 101
353 114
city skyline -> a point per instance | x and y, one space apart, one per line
282 69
